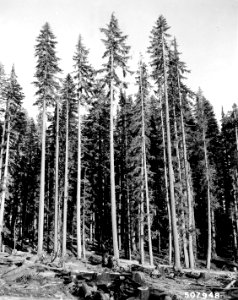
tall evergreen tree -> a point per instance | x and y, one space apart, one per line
207 135
159 62
117 55
14 97
122 157
47 86
68 94
84 78
98 166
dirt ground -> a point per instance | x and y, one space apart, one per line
22 277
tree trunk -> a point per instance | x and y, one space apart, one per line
56 181
3 139
83 221
4 181
177 263
120 220
79 240
128 221
166 187
66 183
234 214
144 166
112 170
213 229
142 237
189 194
188 187
235 248
209 227
42 182
183 214
91 228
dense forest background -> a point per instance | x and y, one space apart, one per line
149 172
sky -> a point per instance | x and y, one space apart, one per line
206 33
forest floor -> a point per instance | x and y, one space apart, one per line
24 275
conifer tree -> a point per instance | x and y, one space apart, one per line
122 146
117 55
207 134
14 97
47 85
56 221
68 94
84 78
179 68
159 62
97 161
143 94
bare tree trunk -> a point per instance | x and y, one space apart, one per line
183 215
233 212
142 237
66 183
119 221
235 246
166 187
177 263
236 177
209 227
235 187
56 181
4 182
42 182
148 214
112 170
188 187
214 252
47 200
128 206
79 240
133 238
144 166
84 208
91 228
186 167
128 222
3 139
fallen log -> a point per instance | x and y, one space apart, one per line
194 275
221 262
230 284
15 273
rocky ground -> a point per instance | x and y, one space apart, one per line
24 275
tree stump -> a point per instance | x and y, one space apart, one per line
143 293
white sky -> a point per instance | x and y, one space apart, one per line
206 32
